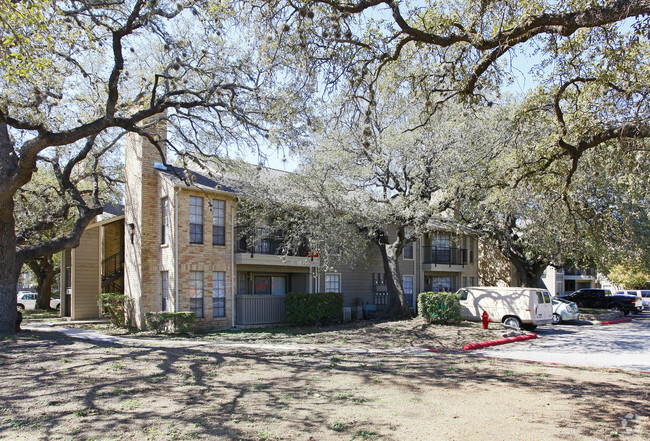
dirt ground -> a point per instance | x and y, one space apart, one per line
55 387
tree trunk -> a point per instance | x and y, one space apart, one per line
8 272
530 273
398 308
45 271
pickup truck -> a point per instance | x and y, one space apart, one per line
602 299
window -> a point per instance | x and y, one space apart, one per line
164 220
471 251
265 285
196 293
441 248
471 281
164 288
464 281
408 249
218 222
332 283
407 285
196 219
218 294
441 284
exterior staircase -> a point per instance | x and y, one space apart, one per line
113 273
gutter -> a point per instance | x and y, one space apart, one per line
232 263
176 264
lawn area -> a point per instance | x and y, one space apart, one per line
415 333
55 387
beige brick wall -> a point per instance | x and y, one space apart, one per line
145 255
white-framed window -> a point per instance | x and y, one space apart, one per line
464 281
196 219
164 220
165 294
218 222
441 284
408 249
471 281
196 293
332 282
218 294
407 286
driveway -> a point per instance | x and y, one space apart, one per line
621 346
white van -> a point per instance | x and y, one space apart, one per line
515 307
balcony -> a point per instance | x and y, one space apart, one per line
444 258
589 273
262 246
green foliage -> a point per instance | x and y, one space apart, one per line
170 322
114 304
309 309
439 307
630 276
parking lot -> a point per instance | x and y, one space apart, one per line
622 346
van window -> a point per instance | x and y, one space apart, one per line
547 298
462 294
543 297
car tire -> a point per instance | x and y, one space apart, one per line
512 322
20 306
557 319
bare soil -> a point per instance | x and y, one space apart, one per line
54 387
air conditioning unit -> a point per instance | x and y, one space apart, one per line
347 313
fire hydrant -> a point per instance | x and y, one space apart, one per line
485 319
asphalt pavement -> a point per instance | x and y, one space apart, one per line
620 346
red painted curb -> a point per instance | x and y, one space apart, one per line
501 341
432 350
613 322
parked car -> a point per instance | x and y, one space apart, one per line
602 299
564 310
515 307
641 303
27 300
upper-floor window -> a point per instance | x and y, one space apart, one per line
196 219
408 249
164 220
218 222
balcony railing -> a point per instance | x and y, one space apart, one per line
265 241
580 272
444 255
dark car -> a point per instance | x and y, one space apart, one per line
602 299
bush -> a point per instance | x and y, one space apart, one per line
114 304
439 307
309 309
171 322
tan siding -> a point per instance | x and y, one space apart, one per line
86 276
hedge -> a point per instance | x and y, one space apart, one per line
439 307
172 322
309 309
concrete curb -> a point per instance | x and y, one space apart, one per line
613 322
501 341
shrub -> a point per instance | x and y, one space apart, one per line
309 309
172 322
115 304
439 307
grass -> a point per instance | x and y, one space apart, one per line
34 314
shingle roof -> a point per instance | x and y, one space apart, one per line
180 176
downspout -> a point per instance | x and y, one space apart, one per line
176 264
232 263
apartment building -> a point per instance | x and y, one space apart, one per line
176 247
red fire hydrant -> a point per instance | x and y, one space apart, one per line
485 319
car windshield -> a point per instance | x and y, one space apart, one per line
557 299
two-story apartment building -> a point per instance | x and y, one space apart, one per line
177 247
